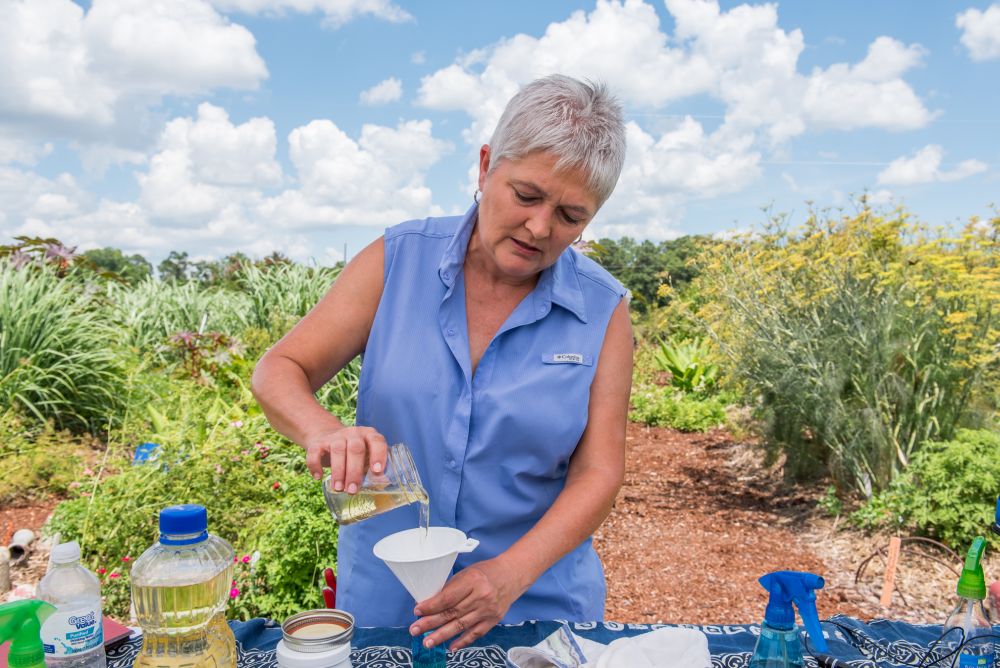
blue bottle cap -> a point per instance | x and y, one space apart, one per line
183 524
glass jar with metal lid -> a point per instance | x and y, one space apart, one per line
316 639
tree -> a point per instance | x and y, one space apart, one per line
131 268
176 267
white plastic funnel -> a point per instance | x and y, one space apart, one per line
422 564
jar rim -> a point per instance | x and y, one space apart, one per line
323 643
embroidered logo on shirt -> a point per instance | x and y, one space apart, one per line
568 358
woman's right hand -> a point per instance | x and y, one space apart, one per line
348 452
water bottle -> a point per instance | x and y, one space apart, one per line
73 636
976 648
180 587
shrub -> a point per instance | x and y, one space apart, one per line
862 337
58 357
282 293
37 460
949 491
658 406
687 363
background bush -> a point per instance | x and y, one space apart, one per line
858 338
949 491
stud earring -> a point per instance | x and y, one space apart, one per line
475 196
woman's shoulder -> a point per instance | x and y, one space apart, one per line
440 227
595 276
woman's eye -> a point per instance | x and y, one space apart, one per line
527 199
569 219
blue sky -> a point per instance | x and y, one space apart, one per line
212 126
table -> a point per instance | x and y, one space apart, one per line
876 644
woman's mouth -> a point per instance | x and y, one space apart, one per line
527 249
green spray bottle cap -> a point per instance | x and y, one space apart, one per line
21 624
972 583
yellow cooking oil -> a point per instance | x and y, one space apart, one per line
351 508
184 626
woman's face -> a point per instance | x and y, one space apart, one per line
529 212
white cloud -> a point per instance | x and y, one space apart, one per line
86 74
925 167
377 180
389 90
981 32
206 164
880 197
740 57
335 12
17 149
418 58
870 93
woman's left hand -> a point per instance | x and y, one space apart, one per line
471 603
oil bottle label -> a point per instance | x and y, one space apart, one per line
74 631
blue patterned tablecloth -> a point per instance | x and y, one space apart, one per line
876 644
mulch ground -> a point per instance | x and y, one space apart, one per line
698 520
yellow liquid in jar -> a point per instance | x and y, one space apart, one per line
368 503
185 626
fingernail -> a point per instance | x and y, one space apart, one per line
428 643
316 476
414 630
417 612
338 486
352 488
377 467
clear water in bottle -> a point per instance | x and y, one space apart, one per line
73 636
179 589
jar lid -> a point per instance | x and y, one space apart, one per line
314 631
289 657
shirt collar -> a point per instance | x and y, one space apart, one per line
558 284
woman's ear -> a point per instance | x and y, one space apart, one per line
484 164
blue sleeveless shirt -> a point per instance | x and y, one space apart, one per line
493 448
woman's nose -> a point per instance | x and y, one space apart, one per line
540 223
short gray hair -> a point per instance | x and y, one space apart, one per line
580 122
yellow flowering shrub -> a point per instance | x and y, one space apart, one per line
859 336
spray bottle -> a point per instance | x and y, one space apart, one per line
970 615
21 624
779 645
995 587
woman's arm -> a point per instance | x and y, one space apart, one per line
477 597
286 378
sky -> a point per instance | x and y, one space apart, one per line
309 126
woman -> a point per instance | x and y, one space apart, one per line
501 357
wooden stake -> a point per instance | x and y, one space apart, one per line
890 571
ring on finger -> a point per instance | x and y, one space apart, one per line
461 624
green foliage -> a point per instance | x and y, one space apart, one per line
281 293
297 540
658 406
687 363
643 266
830 503
37 460
949 491
205 356
130 268
862 337
58 357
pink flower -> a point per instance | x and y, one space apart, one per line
234 592
246 558
234 583
276 485
218 469
244 452
126 559
88 472
102 571
236 423
235 559
75 484
115 576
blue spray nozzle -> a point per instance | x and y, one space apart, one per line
792 587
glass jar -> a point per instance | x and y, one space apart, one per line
398 485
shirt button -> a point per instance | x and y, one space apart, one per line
451 332
451 463
446 276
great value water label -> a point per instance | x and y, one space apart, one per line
72 631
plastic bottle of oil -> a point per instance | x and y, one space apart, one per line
180 587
